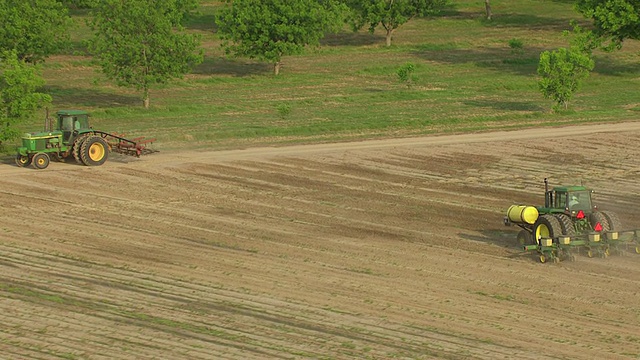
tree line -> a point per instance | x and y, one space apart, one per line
142 43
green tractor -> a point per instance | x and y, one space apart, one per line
567 211
73 137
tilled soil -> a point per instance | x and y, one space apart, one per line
367 250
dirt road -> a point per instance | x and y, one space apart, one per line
368 250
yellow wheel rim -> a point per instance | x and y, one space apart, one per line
40 161
542 231
543 259
96 152
638 249
23 160
607 252
589 253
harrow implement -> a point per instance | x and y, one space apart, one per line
133 147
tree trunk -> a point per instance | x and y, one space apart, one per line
389 33
145 98
487 7
276 68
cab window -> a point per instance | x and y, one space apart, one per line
561 200
67 123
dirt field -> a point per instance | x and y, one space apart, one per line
369 250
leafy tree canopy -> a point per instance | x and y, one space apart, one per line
139 45
561 73
267 30
35 29
390 14
19 96
614 20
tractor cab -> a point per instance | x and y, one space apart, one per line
70 121
569 199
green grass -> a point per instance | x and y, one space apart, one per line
469 79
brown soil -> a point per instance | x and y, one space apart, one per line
368 250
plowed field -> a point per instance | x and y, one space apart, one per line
367 250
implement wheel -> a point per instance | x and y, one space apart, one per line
94 151
637 249
589 253
543 259
23 160
41 161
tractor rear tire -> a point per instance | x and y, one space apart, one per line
41 161
614 221
599 217
23 160
94 151
77 145
547 226
566 225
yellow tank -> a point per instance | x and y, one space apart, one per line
522 214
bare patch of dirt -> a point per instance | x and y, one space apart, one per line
367 250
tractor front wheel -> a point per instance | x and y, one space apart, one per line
94 151
23 160
41 161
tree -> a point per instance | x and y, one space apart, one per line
390 14
139 45
613 20
267 30
562 72
19 98
35 29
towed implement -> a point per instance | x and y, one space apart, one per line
72 137
569 223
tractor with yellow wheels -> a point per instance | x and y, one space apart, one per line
72 137
570 222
